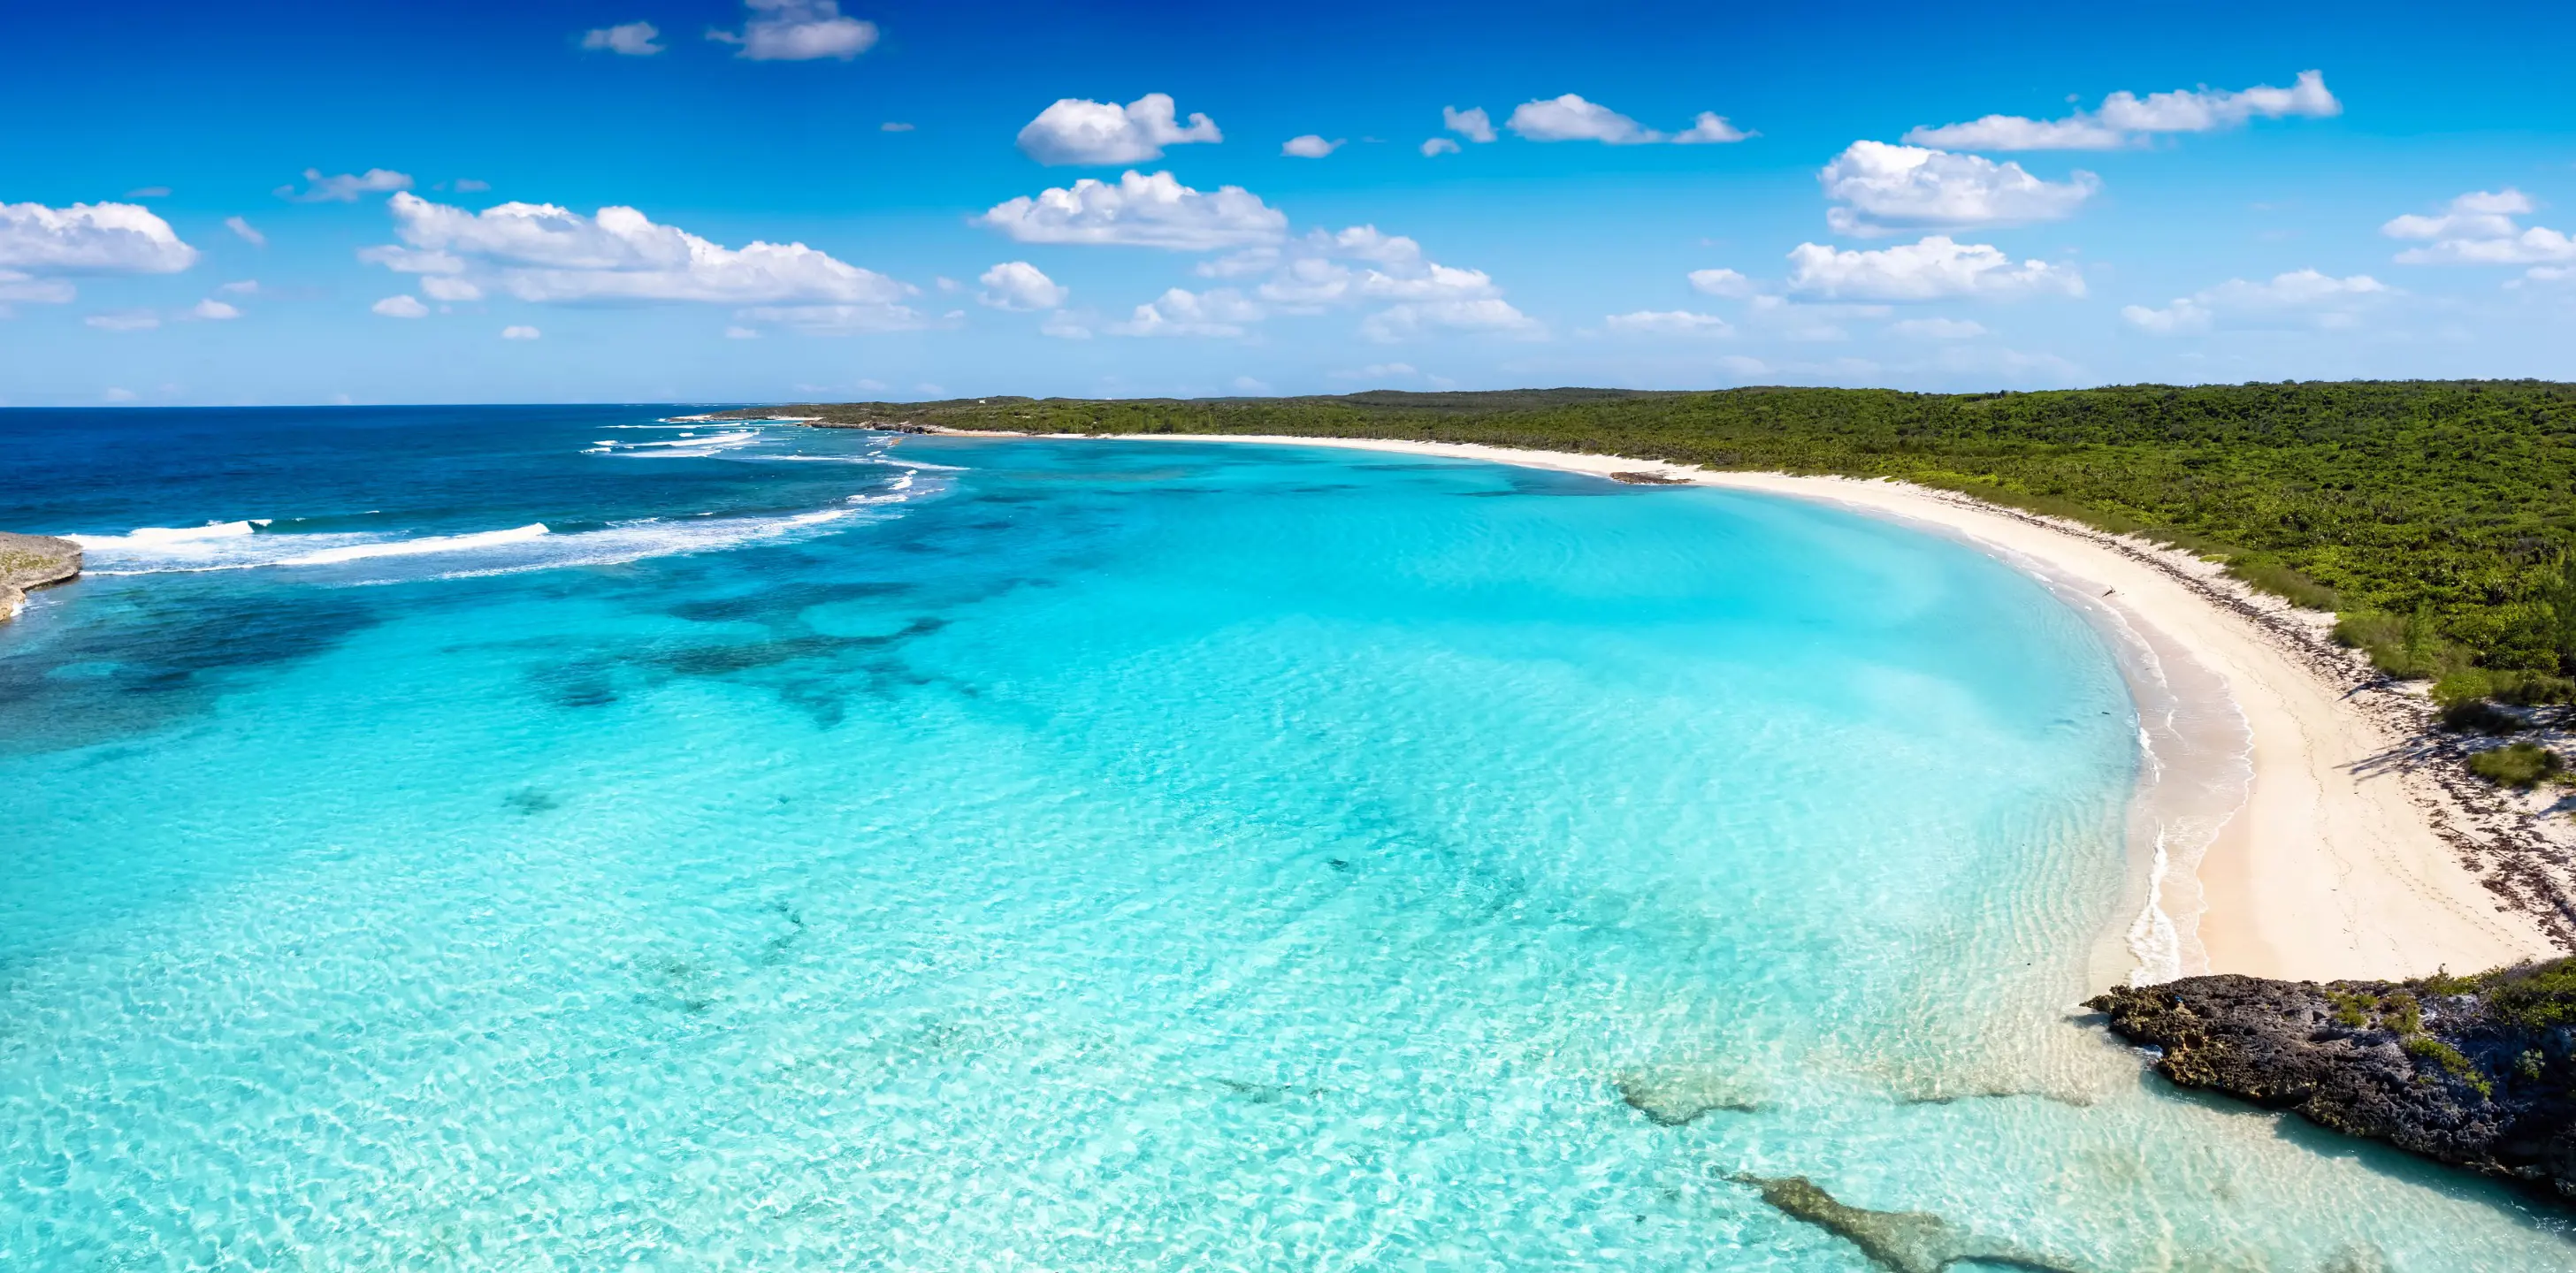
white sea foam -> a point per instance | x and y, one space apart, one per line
417 547
165 538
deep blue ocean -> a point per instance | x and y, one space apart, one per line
562 838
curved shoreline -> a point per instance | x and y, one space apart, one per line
2343 858
33 561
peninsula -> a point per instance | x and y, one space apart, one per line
32 561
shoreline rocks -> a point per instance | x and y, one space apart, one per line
32 561
2474 1072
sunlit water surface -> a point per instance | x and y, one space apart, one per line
546 838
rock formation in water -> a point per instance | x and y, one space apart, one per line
1906 1241
32 561
2471 1071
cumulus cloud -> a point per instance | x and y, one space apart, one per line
448 287
1438 146
1710 128
1936 329
1887 189
798 31
1473 123
1673 322
1726 283
1018 285
2313 297
242 230
543 253
1064 326
741 333
401 307
344 188
2478 228
2126 119
1376 371
1491 314
1934 269
37 242
1310 146
516 332
213 311
629 39
1181 312
839 320
243 287
1140 211
1075 131
1570 118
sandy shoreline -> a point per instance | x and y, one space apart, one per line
2291 847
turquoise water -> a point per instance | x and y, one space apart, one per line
814 851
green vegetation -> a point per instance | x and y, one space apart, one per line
2426 1047
2518 765
2533 997
2439 518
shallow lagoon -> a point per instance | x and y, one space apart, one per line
817 852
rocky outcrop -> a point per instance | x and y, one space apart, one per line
2470 1071
32 561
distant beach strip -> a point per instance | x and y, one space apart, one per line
2276 831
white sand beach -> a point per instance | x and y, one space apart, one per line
2328 866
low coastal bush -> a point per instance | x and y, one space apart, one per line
2517 765
2478 716
2426 1047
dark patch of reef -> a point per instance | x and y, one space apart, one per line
32 561
2475 1072
1906 1241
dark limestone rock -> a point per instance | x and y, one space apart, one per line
2474 1072
32 561
1906 1241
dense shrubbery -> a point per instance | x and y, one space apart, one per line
2437 517
2517 765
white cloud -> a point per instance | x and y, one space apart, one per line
1438 146
88 238
1673 322
798 31
1246 384
346 187
1310 146
834 319
741 333
243 287
1492 314
1075 131
631 39
1064 326
516 332
40 291
1180 312
2317 298
2185 317
1570 118
2125 119
1140 211
543 253
1892 188
1377 371
1709 128
2478 228
1933 269
1936 329
448 287
468 185
894 126
401 307
125 320
118 395
1018 285
213 311
1473 124
243 230
1726 283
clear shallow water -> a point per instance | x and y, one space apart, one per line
816 852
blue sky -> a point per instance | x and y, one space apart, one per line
1841 209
